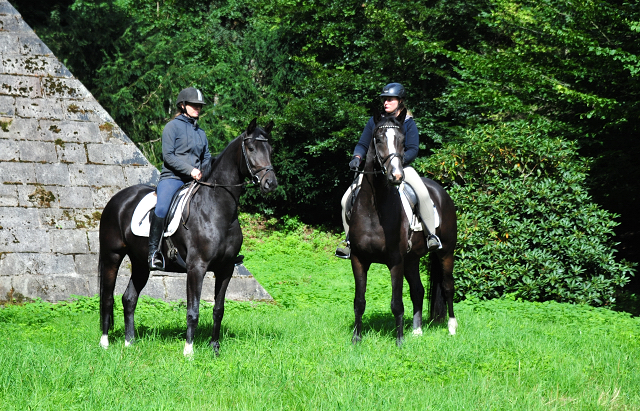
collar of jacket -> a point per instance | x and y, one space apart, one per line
189 120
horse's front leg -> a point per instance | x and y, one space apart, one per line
416 290
397 306
449 290
223 276
195 277
359 269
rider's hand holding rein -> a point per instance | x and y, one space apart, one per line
196 174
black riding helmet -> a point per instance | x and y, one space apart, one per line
393 90
190 95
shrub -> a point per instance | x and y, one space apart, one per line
526 223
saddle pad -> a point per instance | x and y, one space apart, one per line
140 221
414 220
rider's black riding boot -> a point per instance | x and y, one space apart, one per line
156 259
344 249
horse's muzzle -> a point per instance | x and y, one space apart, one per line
269 182
395 176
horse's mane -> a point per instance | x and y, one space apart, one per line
209 166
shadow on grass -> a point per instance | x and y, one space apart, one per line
384 324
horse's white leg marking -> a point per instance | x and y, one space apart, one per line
417 331
188 350
127 343
453 325
104 341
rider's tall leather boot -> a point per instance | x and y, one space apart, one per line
156 259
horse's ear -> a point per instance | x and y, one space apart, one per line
402 116
268 127
376 116
252 126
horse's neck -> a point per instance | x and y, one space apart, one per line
227 168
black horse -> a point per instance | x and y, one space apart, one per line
380 233
209 241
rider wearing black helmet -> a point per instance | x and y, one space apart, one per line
393 96
184 149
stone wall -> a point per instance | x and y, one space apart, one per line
62 157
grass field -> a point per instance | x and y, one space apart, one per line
296 354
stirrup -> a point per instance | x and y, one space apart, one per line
433 242
155 260
344 251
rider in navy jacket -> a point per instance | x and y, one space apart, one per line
184 151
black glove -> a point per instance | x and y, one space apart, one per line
355 163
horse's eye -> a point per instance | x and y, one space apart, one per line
251 148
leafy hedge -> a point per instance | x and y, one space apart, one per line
526 224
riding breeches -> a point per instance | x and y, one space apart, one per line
414 180
166 189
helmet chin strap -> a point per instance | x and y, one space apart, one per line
183 111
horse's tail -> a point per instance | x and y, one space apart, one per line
437 304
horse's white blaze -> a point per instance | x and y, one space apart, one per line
188 350
395 161
104 341
417 331
453 325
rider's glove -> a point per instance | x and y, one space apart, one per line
355 163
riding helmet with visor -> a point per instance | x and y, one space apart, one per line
393 90
190 95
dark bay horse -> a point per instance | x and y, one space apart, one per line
379 232
210 240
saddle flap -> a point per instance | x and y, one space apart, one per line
140 222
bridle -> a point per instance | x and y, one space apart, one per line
254 174
386 160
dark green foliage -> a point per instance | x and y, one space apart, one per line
526 223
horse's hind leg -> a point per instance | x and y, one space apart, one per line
359 269
108 263
416 290
222 282
442 290
139 278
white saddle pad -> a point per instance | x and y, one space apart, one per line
140 222
414 220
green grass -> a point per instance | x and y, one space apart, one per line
296 354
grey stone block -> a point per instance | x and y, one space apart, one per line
39 108
24 240
70 131
38 196
69 241
12 22
64 88
33 66
71 153
176 288
8 195
20 86
246 289
102 195
94 241
113 134
5 287
87 264
20 128
7 8
148 175
18 217
17 172
96 175
37 151
75 197
9 150
7 104
59 219
53 288
30 45
8 43
115 154
87 110
36 264
52 174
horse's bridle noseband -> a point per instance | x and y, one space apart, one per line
254 174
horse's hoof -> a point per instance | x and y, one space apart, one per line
128 343
188 350
356 339
399 342
216 347
104 342
453 325
417 332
